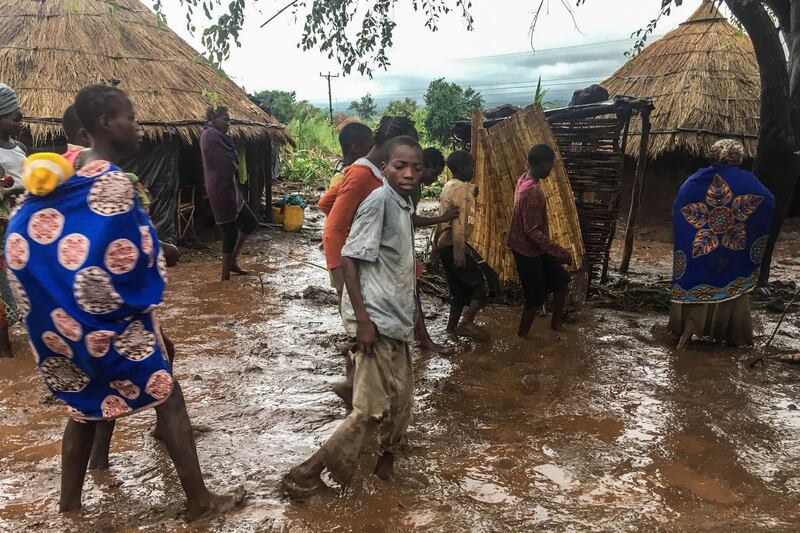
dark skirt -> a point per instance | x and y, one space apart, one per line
539 276
475 281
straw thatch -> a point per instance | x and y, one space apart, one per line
50 49
501 156
704 79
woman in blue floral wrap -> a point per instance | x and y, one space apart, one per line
88 274
721 219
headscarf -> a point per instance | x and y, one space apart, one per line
9 103
727 152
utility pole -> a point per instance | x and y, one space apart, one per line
330 96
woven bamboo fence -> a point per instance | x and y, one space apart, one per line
501 156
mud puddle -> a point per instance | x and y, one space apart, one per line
601 427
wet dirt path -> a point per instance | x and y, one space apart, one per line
601 428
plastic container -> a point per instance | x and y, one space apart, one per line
277 214
293 218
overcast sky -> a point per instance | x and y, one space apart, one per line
497 57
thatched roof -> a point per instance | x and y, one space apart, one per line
704 79
50 49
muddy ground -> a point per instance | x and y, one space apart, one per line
601 428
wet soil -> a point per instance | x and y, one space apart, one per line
602 427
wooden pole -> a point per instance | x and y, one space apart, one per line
636 191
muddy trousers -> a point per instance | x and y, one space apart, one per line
382 396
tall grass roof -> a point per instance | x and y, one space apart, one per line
50 49
704 79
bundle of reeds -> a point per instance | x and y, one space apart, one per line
501 156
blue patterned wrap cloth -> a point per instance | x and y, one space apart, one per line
86 269
721 219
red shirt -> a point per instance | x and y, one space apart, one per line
529 235
360 179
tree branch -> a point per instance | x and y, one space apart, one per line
781 10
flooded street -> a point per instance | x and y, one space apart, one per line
602 427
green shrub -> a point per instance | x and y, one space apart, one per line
315 132
309 167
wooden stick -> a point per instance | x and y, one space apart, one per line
290 256
636 192
761 357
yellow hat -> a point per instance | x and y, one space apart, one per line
45 171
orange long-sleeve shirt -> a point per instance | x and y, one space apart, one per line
360 179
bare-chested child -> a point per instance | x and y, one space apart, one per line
89 296
378 309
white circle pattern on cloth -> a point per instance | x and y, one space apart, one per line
147 244
66 325
17 251
135 343
159 385
162 265
73 249
111 194
45 226
94 291
94 169
56 344
126 388
61 375
114 406
20 296
98 342
121 256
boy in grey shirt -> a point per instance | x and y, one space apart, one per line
378 309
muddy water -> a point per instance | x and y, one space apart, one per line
603 427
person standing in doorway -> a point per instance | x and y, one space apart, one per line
221 171
539 260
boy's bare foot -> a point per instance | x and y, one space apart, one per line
344 390
239 271
217 504
385 467
432 347
473 331
299 486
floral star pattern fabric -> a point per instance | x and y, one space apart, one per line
87 272
722 218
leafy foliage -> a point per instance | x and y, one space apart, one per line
314 132
309 167
356 34
406 107
447 102
365 107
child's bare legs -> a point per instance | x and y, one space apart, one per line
468 327
75 449
235 268
424 340
102 443
526 321
384 469
455 316
5 342
173 422
344 389
559 301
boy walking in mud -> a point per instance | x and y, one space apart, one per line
461 263
539 260
378 309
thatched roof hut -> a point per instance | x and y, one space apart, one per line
50 49
704 80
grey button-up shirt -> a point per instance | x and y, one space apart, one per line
382 241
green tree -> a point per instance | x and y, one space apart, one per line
364 108
447 102
406 107
281 104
